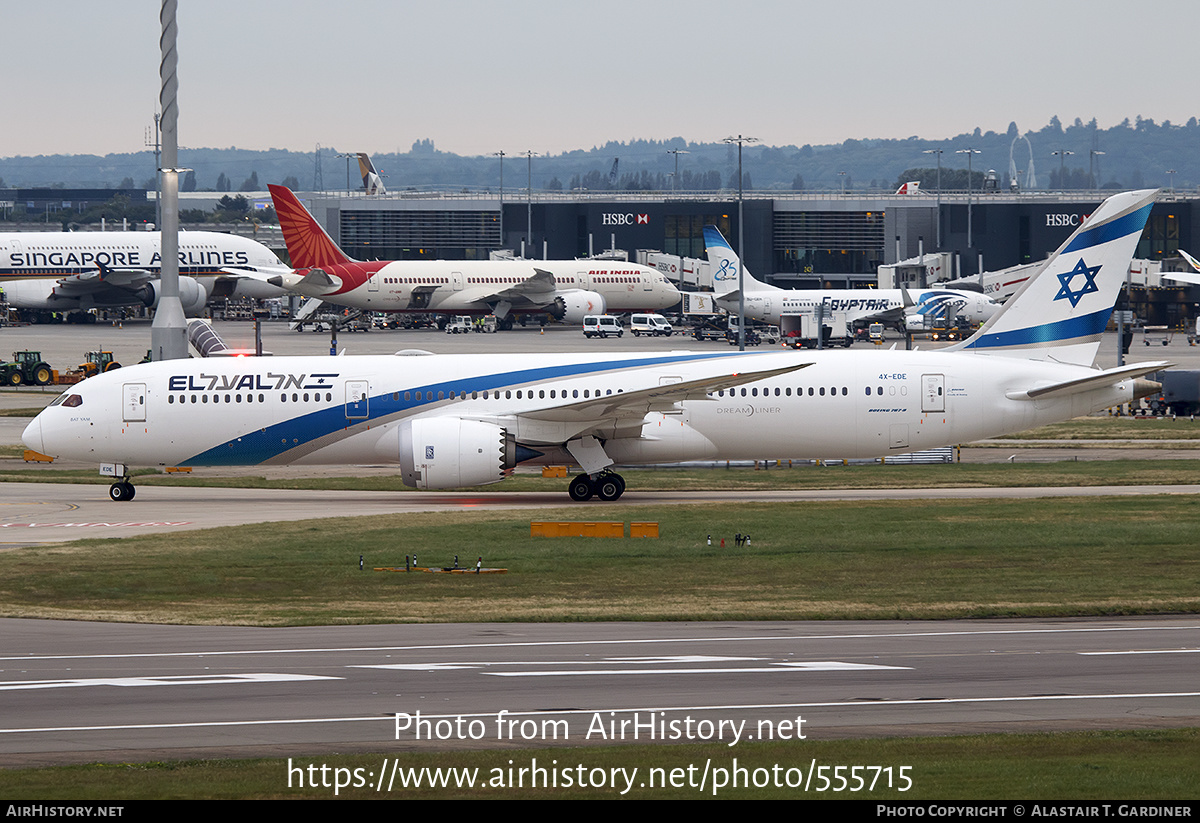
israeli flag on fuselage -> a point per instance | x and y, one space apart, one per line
1060 312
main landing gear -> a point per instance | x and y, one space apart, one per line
121 490
608 486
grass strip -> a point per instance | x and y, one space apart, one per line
1148 766
905 560
876 476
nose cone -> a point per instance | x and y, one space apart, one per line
32 436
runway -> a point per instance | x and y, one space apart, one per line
39 513
89 691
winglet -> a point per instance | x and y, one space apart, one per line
307 243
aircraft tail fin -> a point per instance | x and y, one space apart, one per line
372 180
725 262
307 243
1061 311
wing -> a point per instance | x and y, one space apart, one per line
612 412
101 280
537 289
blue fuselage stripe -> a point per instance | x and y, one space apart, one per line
1070 329
1135 221
264 444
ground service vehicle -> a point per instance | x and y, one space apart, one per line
653 324
26 367
96 362
602 325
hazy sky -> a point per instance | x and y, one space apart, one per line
477 77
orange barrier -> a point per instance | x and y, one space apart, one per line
575 529
556 528
643 530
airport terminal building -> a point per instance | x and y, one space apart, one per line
795 240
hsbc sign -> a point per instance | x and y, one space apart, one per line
1064 219
628 219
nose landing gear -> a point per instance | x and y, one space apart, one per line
121 490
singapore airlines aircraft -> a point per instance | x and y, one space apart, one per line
372 180
77 271
466 420
567 289
768 303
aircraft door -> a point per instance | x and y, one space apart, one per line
582 280
357 403
373 281
456 280
134 403
933 392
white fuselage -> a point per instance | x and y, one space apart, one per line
475 286
311 410
58 271
861 305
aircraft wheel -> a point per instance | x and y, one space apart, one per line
580 488
121 491
609 487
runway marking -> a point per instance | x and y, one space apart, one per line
813 666
300 721
550 643
431 667
93 525
171 680
1147 651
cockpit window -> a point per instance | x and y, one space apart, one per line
67 399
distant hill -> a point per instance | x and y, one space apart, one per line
1135 154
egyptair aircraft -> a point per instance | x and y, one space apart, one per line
768 303
567 289
450 421
77 271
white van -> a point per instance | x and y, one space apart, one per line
652 324
602 325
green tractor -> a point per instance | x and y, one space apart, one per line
27 367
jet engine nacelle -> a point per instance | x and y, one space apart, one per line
448 452
191 294
575 304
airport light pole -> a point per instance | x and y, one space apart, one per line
348 155
938 152
500 154
675 179
168 333
740 140
970 153
529 201
1092 155
1061 154
1171 174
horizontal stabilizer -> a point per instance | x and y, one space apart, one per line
1108 377
262 274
